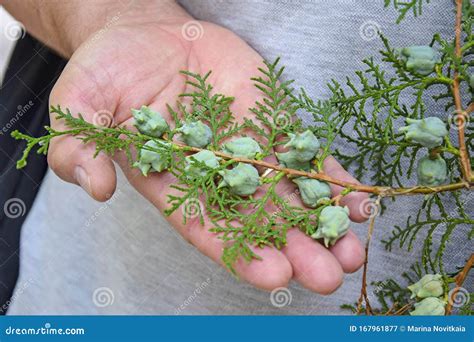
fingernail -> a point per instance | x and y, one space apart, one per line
83 179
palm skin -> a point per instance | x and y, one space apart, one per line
131 65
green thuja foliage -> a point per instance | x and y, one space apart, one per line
364 113
404 7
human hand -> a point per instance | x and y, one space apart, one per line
137 61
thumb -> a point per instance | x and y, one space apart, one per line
71 159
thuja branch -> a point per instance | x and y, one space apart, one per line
111 140
364 298
460 278
371 104
218 166
463 114
403 7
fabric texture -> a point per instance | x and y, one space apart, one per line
122 257
28 80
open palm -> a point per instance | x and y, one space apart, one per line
128 66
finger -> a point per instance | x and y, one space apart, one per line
273 270
97 91
355 200
74 161
315 267
349 252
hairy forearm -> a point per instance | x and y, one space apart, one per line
65 25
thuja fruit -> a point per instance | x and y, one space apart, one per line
303 146
431 171
199 163
429 292
242 147
428 132
312 191
151 161
431 285
290 160
195 133
149 122
419 59
333 222
430 306
242 180
233 170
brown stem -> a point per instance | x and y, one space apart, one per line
403 309
463 115
459 281
385 191
470 108
389 312
363 292
337 199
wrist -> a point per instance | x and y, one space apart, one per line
66 25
